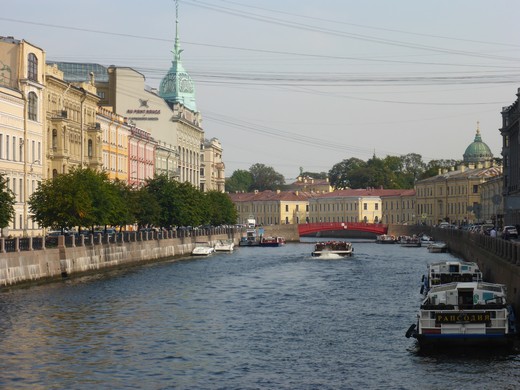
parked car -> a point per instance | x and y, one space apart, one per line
509 232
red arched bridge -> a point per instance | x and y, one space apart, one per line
311 228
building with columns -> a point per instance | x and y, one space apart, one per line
22 119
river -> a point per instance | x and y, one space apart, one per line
258 318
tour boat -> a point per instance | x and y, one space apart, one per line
339 248
224 246
386 239
272 241
450 271
409 242
437 247
464 314
202 249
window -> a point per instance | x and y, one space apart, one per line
32 106
32 67
54 138
475 189
286 208
90 148
377 206
365 206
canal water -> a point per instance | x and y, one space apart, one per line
258 318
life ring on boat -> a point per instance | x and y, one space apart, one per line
410 331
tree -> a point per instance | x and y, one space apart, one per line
147 210
413 166
180 204
265 178
340 172
240 181
222 211
7 201
82 197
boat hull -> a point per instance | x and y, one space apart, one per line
328 253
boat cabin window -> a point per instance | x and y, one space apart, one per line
454 268
465 297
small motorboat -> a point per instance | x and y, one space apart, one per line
224 246
202 249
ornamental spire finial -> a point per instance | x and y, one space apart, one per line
177 47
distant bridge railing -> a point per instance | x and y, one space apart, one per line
311 228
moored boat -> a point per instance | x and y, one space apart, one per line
224 246
386 239
450 271
272 241
438 247
202 249
464 314
250 239
339 248
410 241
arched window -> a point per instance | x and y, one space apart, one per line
54 173
32 67
32 101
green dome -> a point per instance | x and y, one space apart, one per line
177 86
477 151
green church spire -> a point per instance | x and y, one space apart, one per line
177 86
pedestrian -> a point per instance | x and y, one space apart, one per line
493 232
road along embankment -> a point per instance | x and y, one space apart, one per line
38 266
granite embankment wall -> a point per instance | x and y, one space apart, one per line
36 266
499 260
289 232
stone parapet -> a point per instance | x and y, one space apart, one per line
26 267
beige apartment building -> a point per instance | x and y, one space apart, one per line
214 177
271 207
73 135
22 119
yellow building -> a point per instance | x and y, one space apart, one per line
350 205
73 135
453 195
271 207
22 118
399 208
115 133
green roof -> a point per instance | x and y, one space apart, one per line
477 151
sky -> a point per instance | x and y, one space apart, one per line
300 84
